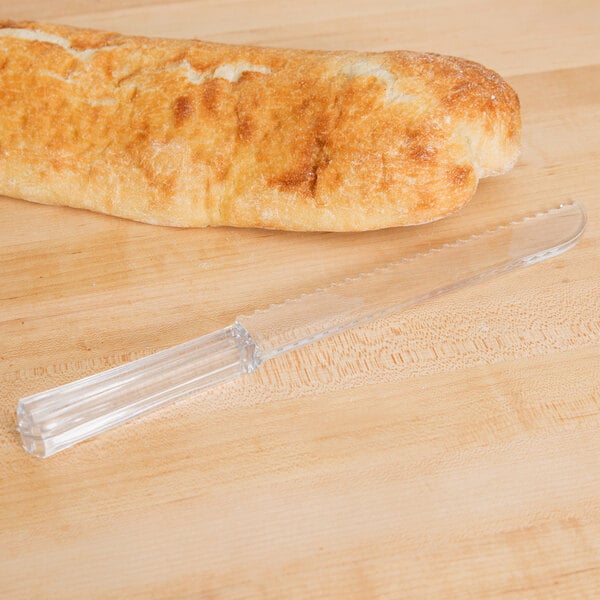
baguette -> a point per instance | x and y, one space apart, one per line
191 134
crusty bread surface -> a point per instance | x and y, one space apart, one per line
188 133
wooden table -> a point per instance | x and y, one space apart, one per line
448 452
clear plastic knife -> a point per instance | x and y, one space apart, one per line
56 419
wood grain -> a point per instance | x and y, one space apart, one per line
446 452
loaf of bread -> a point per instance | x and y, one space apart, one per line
192 134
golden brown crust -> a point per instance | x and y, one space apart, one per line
188 133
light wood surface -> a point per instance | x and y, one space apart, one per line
447 452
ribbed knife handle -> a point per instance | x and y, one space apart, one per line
56 419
